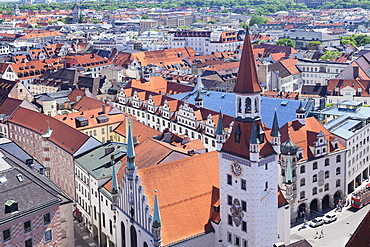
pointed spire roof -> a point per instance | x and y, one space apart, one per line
157 216
130 143
254 135
300 108
275 127
247 81
199 86
289 176
114 180
220 125
48 132
198 98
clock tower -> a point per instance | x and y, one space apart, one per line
248 168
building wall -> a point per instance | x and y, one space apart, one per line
357 159
284 224
60 163
38 228
261 202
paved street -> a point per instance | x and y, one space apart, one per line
336 233
82 239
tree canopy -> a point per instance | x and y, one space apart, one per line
257 20
285 42
330 55
313 43
355 40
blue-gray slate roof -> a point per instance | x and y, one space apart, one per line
285 108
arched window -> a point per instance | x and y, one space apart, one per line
314 190
327 162
248 105
314 178
338 158
256 106
326 174
337 172
145 244
239 105
133 236
123 235
302 195
337 183
303 182
314 166
326 186
303 169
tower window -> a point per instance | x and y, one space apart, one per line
243 184
244 226
229 179
266 166
266 185
244 206
248 105
229 219
229 200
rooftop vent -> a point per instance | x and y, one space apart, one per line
284 103
3 180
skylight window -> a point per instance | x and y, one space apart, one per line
20 177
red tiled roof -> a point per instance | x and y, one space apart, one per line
247 81
63 135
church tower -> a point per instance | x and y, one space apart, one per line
248 168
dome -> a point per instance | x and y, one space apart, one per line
112 91
288 147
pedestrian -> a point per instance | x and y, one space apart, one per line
317 234
322 233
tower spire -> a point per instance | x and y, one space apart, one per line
289 176
247 81
220 132
130 155
114 180
157 224
275 134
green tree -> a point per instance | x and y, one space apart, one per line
184 27
313 43
63 20
145 17
243 25
330 55
285 42
257 20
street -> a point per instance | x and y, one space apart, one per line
336 233
82 239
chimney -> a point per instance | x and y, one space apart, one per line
167 137
359 91
355 72
103 109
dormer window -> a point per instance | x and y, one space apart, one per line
11 206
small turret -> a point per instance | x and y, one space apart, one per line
275 134
254 144
289 180
220 133
130 154
157 224
198 100
301 114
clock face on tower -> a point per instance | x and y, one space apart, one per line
236 169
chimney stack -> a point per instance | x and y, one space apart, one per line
103 109
355 72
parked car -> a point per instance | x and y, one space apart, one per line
317 222
330 218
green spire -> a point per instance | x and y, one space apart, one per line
130 148
288 177
114 180
157 216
